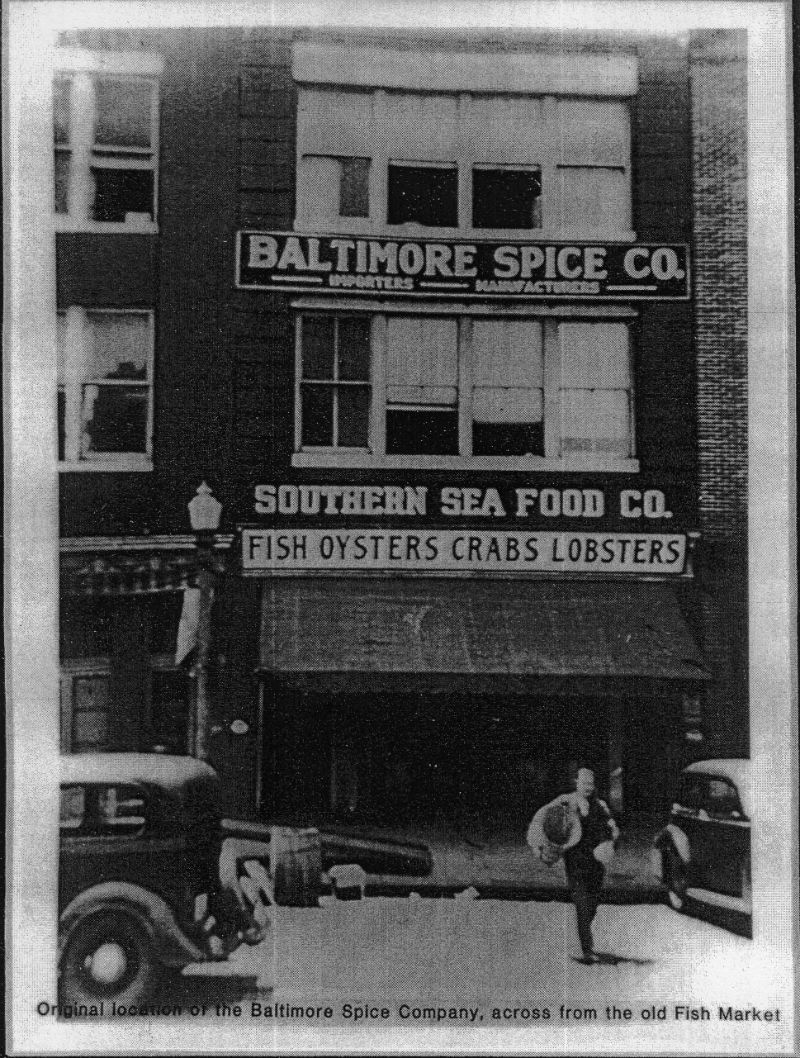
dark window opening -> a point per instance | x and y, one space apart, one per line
508 439
335 393
425 195
354 187
62 424
421 432
62 167
118 419
506 198
122 191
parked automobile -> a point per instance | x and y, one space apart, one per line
139 875
703 853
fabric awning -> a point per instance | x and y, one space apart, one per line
482 628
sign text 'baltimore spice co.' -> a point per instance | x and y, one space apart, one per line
444 268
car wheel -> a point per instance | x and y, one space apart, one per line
109 956
675 879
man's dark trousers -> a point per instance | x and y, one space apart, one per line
585 877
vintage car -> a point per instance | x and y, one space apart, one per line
151 878
702 855
140 886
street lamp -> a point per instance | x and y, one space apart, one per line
204 516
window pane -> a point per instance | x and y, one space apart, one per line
421 432
89 732
318 180
354 348
318 346
62 92
62 167
506 198
507 353
114 419
73 806
354 187
496 404
425 195
62 424
353 416
317 416
119 345
421 360
123 113
118 192
595 199
507 439
595 355
596 421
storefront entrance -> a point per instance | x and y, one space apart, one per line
474 762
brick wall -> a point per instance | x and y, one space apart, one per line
718 78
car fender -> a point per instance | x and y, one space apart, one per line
171 944
674 836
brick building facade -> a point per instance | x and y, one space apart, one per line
239 131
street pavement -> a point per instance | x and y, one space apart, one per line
463 951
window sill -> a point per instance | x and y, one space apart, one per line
365 461
96 227
117 466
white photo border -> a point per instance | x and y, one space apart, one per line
31 521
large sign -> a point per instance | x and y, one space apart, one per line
443 268
266 551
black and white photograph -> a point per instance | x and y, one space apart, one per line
400 552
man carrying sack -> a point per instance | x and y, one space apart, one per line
580 828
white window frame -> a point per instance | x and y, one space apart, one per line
376 457
83 69
74 356
300 381
383 152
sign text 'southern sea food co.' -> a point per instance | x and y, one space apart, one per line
428 268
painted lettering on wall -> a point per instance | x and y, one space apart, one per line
450 501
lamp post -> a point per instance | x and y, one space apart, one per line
204 515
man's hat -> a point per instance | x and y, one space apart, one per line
561 825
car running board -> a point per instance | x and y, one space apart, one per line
721 900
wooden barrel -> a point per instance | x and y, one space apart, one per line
296 866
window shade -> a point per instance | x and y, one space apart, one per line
421 361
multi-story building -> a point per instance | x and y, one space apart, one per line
454 327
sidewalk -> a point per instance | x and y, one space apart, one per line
505 868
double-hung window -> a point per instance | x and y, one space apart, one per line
105 125
334 381
105 375
396 389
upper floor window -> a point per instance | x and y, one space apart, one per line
105 118
463 163
105 398
397 389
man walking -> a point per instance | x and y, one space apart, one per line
579 827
